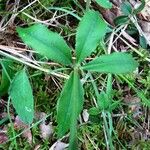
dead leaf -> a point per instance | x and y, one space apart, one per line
146 11
134 105
129 38
18 124
85 115
46 130
37 147
59 146
3 137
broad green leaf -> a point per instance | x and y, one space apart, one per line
22 98
6 74
73 142
91 30
69 104
46 43
115 63
126 8
104 3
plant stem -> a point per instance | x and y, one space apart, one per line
104 115
33 66
35 124
109 142
109 85
66 11
88 2
11 123
8 110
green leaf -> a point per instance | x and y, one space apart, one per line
22 98
114 105
104 3
140 8
7 73
46 43
103 101
2 121
116 63
91 30
121 20
106 103
70 105
143 42
94 111
126 8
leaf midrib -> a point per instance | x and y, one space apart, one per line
88 34
47 46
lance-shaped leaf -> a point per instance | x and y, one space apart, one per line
91 30
104 3
69 104
22 98
116 63
46 43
